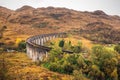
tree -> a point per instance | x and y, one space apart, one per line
22 46
77 48
80 61
61 43
107 62
67 67
97 50
95 73
55 53
117 48
78 75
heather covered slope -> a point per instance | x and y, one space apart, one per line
61 17
28 21
101 32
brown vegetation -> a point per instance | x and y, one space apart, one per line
17 66
24 21
101 32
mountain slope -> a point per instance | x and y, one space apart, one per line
101 32
34 21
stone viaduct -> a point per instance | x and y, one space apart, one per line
35 45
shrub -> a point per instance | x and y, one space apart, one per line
68 68
68 46
22 46
97 50
117 48
80 61
56 16
55 54
77 49
78 75
4 27
72 59
56 67
18 40
61 43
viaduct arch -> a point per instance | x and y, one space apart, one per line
35 45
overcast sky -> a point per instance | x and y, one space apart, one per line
111 7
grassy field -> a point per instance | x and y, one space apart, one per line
17 66
74 41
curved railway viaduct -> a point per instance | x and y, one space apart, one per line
35 45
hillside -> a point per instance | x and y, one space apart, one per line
28 21
17 66
92 61
101 32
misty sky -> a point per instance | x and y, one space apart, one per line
111 7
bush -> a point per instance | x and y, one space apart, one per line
61 43
117 48
97 50
78 75
72 59
4 27
55 54
77 49
22 46
68 68
56 67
